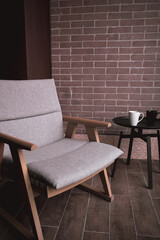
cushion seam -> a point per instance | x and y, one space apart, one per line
32 116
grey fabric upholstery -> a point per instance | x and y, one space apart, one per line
41 130
53 150
67 161
27 98
75 165
30 110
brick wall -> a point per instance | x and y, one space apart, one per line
106 56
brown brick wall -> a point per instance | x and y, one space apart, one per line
106 56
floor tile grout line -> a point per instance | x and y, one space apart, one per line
62 215
145 181
56 233
96 232
23 205
85 220
156 167
119 195
42 208
84 192
156 198
131 204
49 226
150 236
138 173
149 193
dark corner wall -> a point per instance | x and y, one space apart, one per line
25 39
106 56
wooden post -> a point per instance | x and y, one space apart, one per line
106 184
70 131
92 134
18 157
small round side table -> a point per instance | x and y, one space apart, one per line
137 132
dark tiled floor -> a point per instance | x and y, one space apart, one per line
76 215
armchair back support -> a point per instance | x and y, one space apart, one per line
33 147
30 110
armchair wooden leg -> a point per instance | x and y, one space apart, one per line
107 194
26 188
106 184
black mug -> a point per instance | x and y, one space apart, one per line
151 116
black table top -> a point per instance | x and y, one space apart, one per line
124 121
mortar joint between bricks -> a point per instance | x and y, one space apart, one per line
158 13
82 2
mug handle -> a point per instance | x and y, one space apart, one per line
141 117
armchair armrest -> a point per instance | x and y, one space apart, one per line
86 122
16 142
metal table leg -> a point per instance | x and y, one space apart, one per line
119 144
158 137
149 162
130 147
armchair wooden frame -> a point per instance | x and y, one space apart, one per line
17 146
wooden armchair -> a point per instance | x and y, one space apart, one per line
30 111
